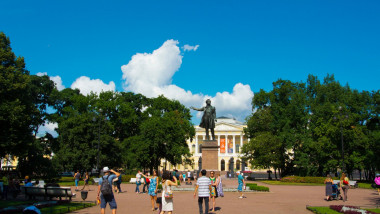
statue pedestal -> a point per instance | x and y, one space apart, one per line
210 155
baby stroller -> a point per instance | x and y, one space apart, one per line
335 192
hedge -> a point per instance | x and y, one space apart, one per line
253 186
127 178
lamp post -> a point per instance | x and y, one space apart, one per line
99 120
341 133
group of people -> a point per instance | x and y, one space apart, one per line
342 187
207 188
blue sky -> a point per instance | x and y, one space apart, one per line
243 45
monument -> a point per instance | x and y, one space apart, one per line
210 146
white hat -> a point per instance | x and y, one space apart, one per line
106 169
237 172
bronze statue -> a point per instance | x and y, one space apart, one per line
208 118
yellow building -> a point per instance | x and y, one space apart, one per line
230 137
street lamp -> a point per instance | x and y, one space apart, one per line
99 120
340 118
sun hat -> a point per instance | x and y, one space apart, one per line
106 169
237 172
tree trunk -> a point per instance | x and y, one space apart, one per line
275 174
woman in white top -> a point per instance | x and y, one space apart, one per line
167 203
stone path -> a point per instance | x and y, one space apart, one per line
281 199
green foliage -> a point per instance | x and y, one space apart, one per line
159 186
322 210
253 186
127 178
297 128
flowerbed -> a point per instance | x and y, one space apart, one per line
349 209
298 179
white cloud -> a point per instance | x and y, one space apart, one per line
56 79
151 75
87 85
190 48
48 127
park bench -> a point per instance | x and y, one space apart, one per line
132 181
47 192
352 183
95 181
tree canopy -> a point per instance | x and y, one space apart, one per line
297 128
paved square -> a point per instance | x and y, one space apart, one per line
280 199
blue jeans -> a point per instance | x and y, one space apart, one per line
200 202
138 183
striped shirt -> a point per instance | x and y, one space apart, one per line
203 184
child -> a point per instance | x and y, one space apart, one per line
159 203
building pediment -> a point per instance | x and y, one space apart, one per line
221 127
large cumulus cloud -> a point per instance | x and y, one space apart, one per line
151 74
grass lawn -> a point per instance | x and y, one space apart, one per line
365 185
288 183
70 183
65 208
322 210
4 204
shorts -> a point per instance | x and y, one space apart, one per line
76 182
240 187
111 201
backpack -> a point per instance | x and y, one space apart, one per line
106 188
147 181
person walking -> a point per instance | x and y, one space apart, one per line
377 183
5 186
188 176
77 178
241 184
344 185
118 183
152 190
219 187
107 179
213 193
146 182
86 179
138 181
328 182
167 200
203 187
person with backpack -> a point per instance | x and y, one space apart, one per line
105 193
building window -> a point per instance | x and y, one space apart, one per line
222 165
238 165
237 148
200 148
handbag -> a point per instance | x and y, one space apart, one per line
345 182
168 194
219 188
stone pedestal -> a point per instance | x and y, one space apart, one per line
210 155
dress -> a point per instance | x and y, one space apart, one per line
213 189
328 188
167 203
152 186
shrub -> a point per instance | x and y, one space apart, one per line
127 178
159 186
253 186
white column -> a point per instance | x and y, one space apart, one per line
241 141
196 144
